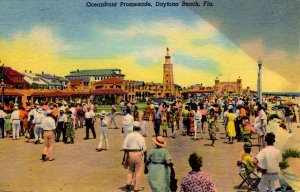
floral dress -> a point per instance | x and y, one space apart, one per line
212 125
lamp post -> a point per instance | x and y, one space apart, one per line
259 93
2 89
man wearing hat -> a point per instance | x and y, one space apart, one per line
103 130
15 121
157 119
135 147
48 125
37 121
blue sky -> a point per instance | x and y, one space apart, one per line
205 41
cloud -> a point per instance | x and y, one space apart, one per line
41 49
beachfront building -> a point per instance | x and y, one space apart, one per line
109 90
53 81
226 87
94 75
34 81
14 79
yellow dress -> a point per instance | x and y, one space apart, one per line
230 125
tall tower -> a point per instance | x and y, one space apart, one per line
168 79
239 89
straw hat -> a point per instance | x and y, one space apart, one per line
103 113
160 141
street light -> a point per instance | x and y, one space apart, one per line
2 89
259 92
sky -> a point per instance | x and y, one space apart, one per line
224 40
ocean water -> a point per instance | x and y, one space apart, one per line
282 93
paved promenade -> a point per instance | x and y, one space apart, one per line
78 167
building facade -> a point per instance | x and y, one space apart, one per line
228 87
95 75
14 79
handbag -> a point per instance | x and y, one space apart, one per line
173 183
146 170
125 160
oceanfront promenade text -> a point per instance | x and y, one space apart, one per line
149 4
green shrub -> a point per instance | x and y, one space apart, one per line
288 153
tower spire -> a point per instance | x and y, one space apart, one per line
168 57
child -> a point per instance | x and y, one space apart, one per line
143 124
164 125
212 121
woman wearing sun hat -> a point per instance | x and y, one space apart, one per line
158 160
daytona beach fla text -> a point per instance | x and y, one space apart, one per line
147 4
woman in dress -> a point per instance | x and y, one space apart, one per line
212 125
230 125
159 162
7 124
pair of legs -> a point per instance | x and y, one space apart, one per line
90 125
16 129
135 169
49 145
103 135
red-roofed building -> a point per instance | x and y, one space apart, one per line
110 89
14 79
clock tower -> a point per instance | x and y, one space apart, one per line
168 79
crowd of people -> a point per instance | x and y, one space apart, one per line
45 122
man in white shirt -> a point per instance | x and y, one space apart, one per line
89 123
127 122
37 121
48 125
267 160
135 147
103 131
2 117
15 121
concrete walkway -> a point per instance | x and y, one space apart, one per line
79 167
